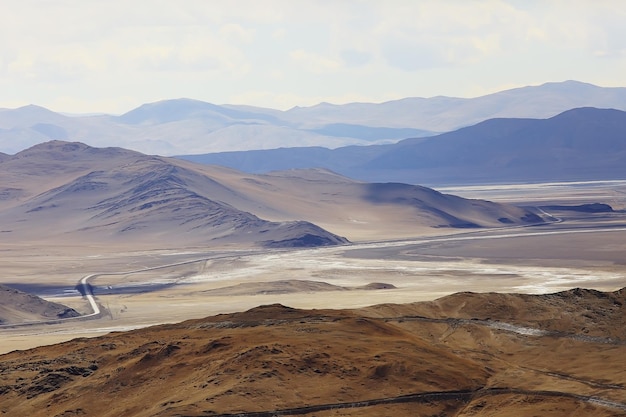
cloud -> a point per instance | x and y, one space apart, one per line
279 34
355 58
318 49
412 55
607 38
237 33
313 62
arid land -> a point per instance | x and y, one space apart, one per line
578 250
452 322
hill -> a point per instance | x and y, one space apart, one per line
19 307
70 192
185 126
382 360
579 144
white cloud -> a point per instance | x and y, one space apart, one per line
218 50
315 63
237 33
279 34
355 58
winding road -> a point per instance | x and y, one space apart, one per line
88 294
86 289
502 233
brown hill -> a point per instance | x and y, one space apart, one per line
383 360
19 307
580 311
72 192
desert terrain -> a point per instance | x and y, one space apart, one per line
313 208
353 326
137 288
462 355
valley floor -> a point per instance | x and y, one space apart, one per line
584 250
468 354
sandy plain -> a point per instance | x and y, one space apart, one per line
583 250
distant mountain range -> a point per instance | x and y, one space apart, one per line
70 192
578 144
184 126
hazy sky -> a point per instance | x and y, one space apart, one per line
111 56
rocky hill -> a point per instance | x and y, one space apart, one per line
549 355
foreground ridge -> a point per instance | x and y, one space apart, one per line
464 354
460 396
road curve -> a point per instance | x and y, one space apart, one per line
85 289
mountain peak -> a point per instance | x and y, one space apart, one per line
59 150
568 86
33 107
165 111
587 113
56 145
569 83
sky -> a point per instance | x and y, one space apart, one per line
91 56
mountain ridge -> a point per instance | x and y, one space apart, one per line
432 358
114 192
62 190
188 126
578 144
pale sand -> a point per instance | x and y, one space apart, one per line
537 264
416 279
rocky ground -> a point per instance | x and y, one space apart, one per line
464 355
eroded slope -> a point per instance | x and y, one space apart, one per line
19 307
381 360
70 191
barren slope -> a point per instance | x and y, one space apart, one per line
576 311
382 360
288 286
360 210
19 307
70 191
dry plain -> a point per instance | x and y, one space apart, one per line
583 250
349 348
